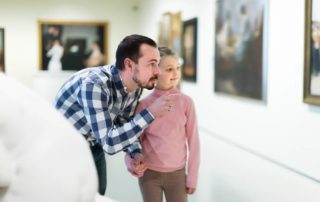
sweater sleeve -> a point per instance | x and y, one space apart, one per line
193 145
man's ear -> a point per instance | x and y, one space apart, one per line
128 64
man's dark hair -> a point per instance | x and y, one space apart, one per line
129 47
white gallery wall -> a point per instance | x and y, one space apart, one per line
251 151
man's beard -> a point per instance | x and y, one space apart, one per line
148 85
140 83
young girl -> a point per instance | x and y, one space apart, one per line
170 144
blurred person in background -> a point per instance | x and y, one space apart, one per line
95 57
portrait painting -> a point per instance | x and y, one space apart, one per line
312 53
240 68
2 64
72 46
189 50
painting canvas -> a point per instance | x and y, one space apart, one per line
170 31
2 68
164 32
189 50
240 49
72 45
312 53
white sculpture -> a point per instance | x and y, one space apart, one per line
42 157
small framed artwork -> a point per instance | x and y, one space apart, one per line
312 53
240 48
2 64
171 31
72 45
189 50
164 34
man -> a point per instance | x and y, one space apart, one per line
100 101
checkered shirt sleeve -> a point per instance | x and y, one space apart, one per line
94 100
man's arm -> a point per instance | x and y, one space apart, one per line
113 138
136 147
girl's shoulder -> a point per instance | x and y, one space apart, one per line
186 97
146 100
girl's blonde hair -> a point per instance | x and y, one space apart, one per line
165 51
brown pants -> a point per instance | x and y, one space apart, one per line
173 184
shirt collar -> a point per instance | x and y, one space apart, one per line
118 81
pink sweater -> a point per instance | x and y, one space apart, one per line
166 140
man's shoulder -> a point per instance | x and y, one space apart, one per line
96 75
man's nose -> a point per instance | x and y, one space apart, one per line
156 70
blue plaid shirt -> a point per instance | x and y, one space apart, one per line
97 103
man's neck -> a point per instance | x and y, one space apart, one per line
127 81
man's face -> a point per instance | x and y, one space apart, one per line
146 70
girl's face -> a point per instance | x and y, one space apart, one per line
170 74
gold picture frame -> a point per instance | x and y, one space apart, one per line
171 31
311 90
72 45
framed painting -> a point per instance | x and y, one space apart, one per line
2 63
72 45
240 48
189 50
171 31
164 33
312 53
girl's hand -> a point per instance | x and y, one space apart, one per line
190 190
135 166
138 165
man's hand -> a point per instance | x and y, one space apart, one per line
162 105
